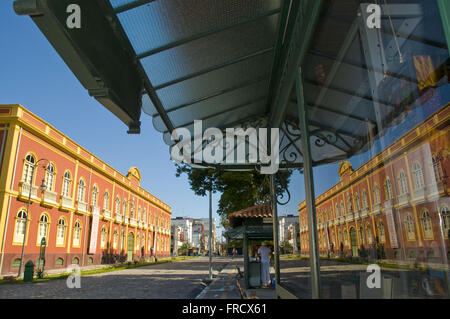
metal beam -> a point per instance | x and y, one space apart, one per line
296 47
444 10
131 5
224 111
213 68
204 98
206 33
309 191
276 244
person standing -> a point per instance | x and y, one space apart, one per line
264 252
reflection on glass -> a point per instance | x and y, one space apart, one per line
390 206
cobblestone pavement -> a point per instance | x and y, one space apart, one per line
174 280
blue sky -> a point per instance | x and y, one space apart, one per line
33 74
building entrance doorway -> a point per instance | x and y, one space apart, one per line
130 246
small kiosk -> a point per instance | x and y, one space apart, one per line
253 225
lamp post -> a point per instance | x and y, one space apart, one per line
42 187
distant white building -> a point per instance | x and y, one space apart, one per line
289 230
185 223
205 222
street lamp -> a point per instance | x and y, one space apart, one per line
43 187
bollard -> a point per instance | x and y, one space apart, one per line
29 271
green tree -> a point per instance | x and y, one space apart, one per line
238 190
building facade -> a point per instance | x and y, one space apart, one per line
288 230
185 224
88 212
396 203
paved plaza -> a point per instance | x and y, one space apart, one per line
174 280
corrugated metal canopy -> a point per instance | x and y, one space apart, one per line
231 64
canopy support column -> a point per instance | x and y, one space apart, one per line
309 189
245 253
276 245
210 250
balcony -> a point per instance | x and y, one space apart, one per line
66 203
376 209
24 191
119 218
125 220
364 212
133 222
106 213
356 214
82 207
436 189
141 224
403 199
342 220
349 217
49 198
419 194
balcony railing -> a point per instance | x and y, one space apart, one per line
49 198
364 212
125 220
106 213
419 194
133 222
82 207
66 202
119 218
349 217
24 191
356 214
342 220
403 199
436 189
376 209
141 224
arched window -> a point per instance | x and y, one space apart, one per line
124 208
364 197
342 209
28 168
132 210
357 202
368 234
361 235
43 228
381 231
388 186
50 176
94 195
76 234
66 184
418 176
122 242
437 168
60 232
137 241
336 210
19 232
117 206
106 201
81 191
139 213
403 186
445 214
345 237
409 223
426 224
349 204
376 194
116 239
145 215
103 238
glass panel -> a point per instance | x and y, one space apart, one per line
396 79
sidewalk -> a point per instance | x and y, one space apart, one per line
224 286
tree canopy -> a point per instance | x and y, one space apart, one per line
238 190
